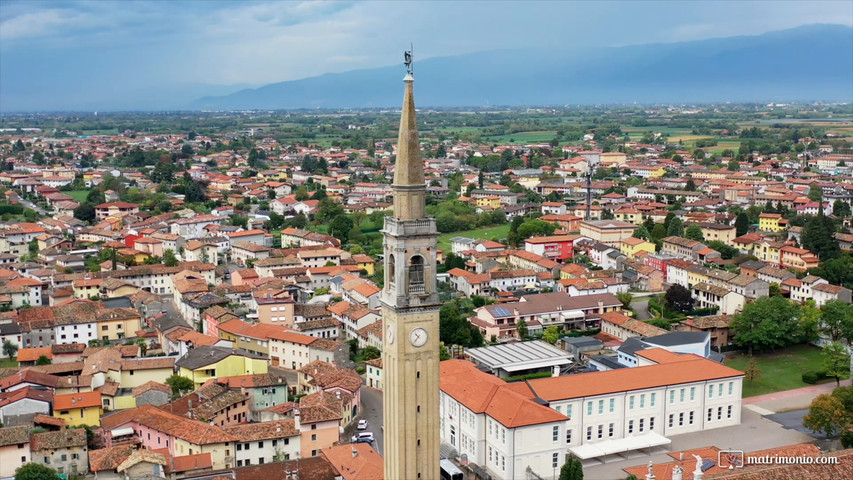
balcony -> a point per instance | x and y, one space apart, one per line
425 226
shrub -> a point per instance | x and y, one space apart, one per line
812 377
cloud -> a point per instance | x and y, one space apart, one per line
45 23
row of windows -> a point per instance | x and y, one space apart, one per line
496 458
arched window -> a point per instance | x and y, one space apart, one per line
416 274
392 269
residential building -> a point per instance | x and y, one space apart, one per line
608 232
79 408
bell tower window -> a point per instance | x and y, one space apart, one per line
416 274
392 270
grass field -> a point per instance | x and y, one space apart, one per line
111 131
79 195
500 232
7 362
779 370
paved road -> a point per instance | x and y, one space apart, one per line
642 309
793 420
35 207
371 404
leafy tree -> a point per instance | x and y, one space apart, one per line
727 252
370 352
43 360
452 261
836 318
85 212
572 469
691 185
836 361
551 334
766 324
694 232
625 298
675 228
775 290
841 208
658 232
752 372
35 471
819 236
535 228
826 414
521 328
838 271
678 299
642 232
169 258
741 224
9 349
179 384
733 165
815 194
340 228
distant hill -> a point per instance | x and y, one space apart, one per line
813 62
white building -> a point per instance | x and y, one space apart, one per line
598 413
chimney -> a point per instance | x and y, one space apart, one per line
296 423
354 453
677 473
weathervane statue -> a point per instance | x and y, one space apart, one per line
407 59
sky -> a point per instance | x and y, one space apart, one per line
79 53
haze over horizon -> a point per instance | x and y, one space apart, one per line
110 55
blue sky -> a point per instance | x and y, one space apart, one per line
76 53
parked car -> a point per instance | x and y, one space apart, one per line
362 424
363 437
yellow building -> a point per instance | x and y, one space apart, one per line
203 363
491 201
770 222
365 263
118 323
631 246
86 288
767 251
629 215
139 371
79 408
695 276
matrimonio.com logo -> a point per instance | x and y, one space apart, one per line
732 459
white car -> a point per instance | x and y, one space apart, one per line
363 437
362 424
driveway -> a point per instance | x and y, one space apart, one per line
33 206
793 420
642 308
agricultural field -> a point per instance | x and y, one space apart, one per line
500 232
79 195
524 137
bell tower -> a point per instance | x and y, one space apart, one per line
410 306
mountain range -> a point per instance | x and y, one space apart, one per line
813 62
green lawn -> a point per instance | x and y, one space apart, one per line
779 370
7 362
500 232
79 195
524 137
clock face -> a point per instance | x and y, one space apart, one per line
389 333
418 337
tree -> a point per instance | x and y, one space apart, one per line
841 209
836 361
521 328
819 236
340 228
690 186
535 228
9 349
169 258
625 298
551 334
775 290
642 232
678 299
694 232
370 352
826 415
658 232
815 193
179 384
733 165
43 360
752 372
741 224
836 319
766 324
675 228
85 212
35 471
572 469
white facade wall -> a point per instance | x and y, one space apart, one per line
77 333
265 451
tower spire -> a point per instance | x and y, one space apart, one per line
409 186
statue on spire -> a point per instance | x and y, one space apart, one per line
407 60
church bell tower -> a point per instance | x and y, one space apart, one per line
410 306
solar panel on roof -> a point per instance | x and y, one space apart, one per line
501 311
706 464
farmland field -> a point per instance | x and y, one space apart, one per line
79 195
